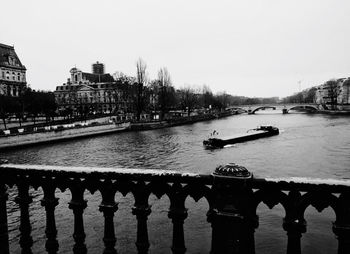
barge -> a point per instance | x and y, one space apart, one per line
260 132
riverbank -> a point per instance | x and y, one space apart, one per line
139 126
53 134
16 138
334 112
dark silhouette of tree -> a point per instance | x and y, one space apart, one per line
222 101
188 99
141 81
30 103
207 97
7 107
166 92
295 98
310 96
39 103
121 92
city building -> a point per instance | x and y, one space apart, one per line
334 95
91 93
12 72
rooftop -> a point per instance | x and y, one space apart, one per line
9 58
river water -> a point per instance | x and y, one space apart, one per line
309 145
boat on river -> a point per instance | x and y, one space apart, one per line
260 132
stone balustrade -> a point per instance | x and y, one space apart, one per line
233 195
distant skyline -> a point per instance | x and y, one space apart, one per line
246 48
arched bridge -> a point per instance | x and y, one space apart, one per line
283 108
309 108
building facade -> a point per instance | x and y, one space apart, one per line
12 72
335 94
91 93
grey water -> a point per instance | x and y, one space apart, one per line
309 145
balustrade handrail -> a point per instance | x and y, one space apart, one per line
233 197
285 183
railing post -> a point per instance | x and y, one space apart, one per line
108 206
141 209
232 217
178 214
294 228
24 199
341 227
78 204
178 217
50 202
4 236
294 223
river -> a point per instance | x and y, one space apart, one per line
309 145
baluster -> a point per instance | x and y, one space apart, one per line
294 225
141 209
178 214
294 228
4 236
341 227
24 199
78 204
50 202
108 207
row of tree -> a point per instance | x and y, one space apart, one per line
305 96
30 103
160 95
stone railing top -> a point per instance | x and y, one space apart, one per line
284 183
100 171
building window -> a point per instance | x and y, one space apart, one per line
19 77
7 75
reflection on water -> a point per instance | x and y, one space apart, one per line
308 145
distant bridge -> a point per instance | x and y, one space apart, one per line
285 108
261 108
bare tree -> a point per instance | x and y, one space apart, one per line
188 99
207 97
164 77
166 92
141 79
310 96
154 94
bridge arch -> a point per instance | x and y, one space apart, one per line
305 107
262 108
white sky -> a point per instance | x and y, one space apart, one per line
250 48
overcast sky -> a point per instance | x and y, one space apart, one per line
250 48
